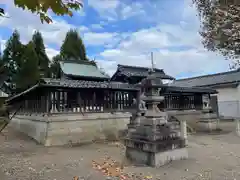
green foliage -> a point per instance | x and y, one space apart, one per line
1 12
12 55
24 64
73 47
41 7
42 57
28 73
220 26
55 66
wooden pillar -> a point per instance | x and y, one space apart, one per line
181 102
78 102
48 101
53 99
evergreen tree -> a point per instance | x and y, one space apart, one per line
41 53
73 47
2 71
55 66
12 54
28 73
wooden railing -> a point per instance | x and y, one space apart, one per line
96 100
183 102
76 100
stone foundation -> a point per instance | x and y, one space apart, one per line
207 125
61 129
156 159
198 120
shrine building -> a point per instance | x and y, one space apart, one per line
85 104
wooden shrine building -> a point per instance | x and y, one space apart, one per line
85 104
176 98
81 70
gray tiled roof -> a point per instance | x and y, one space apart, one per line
86 84
67 83
190 89
210 80
140 71
81 69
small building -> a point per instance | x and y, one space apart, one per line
227 86
175 96
81 70
84 104
134 74
81 106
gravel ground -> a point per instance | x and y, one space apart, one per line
210 157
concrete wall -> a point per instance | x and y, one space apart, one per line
228 101
228 109
60 129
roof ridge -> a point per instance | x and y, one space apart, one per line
83 62
210 75
135 67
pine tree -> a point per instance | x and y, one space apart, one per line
28 73
73 47
41 53
55 66
12 54
2 71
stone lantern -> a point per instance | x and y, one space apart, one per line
154 141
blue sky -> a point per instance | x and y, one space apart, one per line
125 32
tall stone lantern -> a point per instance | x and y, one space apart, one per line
154 141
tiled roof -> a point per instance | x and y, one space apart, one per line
210 80
61 83
81 69
140 71
190 89
86 84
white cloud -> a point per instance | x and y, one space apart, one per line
2 45
194 61
26 23
178 49
96 26
144 40
103 4
51 52
131 48
106 8
92 38
134 9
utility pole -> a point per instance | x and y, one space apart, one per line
152 62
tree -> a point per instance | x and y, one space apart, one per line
55 66
220 26
42 57
12 54
73 47
3 73
41 7
28 73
